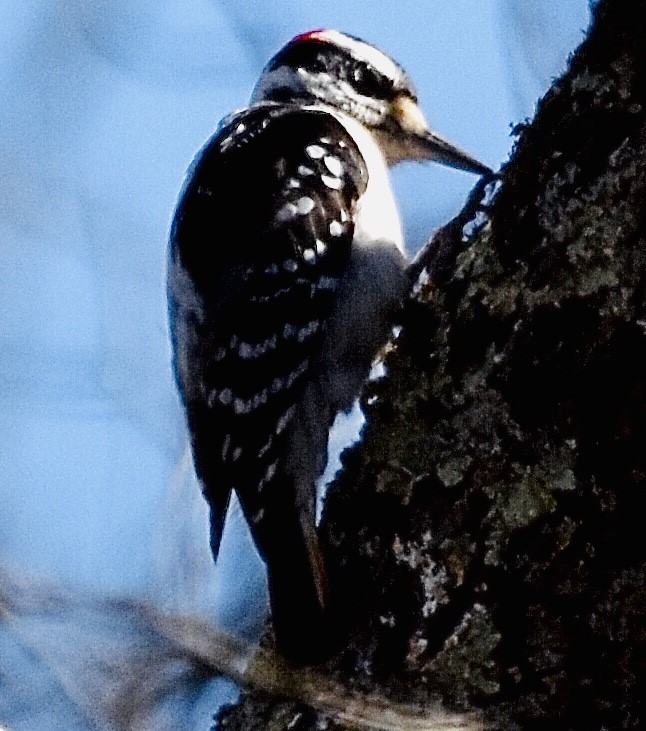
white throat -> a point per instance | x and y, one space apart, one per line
377 217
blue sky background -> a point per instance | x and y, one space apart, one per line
102 106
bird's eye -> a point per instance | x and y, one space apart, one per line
370 83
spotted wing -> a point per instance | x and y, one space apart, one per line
260 240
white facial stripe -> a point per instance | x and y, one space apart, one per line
363 52
283 77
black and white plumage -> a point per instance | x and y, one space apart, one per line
286 265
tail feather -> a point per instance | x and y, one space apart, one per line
218 507
299 618
297 579
315 557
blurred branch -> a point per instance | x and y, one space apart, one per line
130 657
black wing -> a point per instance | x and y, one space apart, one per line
260 239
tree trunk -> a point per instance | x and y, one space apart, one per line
486 535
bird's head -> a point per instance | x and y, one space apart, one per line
340 71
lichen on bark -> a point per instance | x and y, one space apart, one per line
485 538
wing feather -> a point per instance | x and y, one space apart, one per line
259 243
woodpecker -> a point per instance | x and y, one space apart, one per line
286 265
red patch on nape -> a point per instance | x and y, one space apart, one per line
320 35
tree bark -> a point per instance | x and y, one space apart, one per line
486 537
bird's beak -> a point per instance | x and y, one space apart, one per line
418 142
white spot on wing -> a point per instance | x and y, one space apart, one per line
269 344
269 297
225 396
305 171
334 165
336 229
308 330
330 182
271 471
248 351
304 205
236 454
309 255
297 373
321 247
225 446
265 448
226 143
284 420
316 152
290 265
286 213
